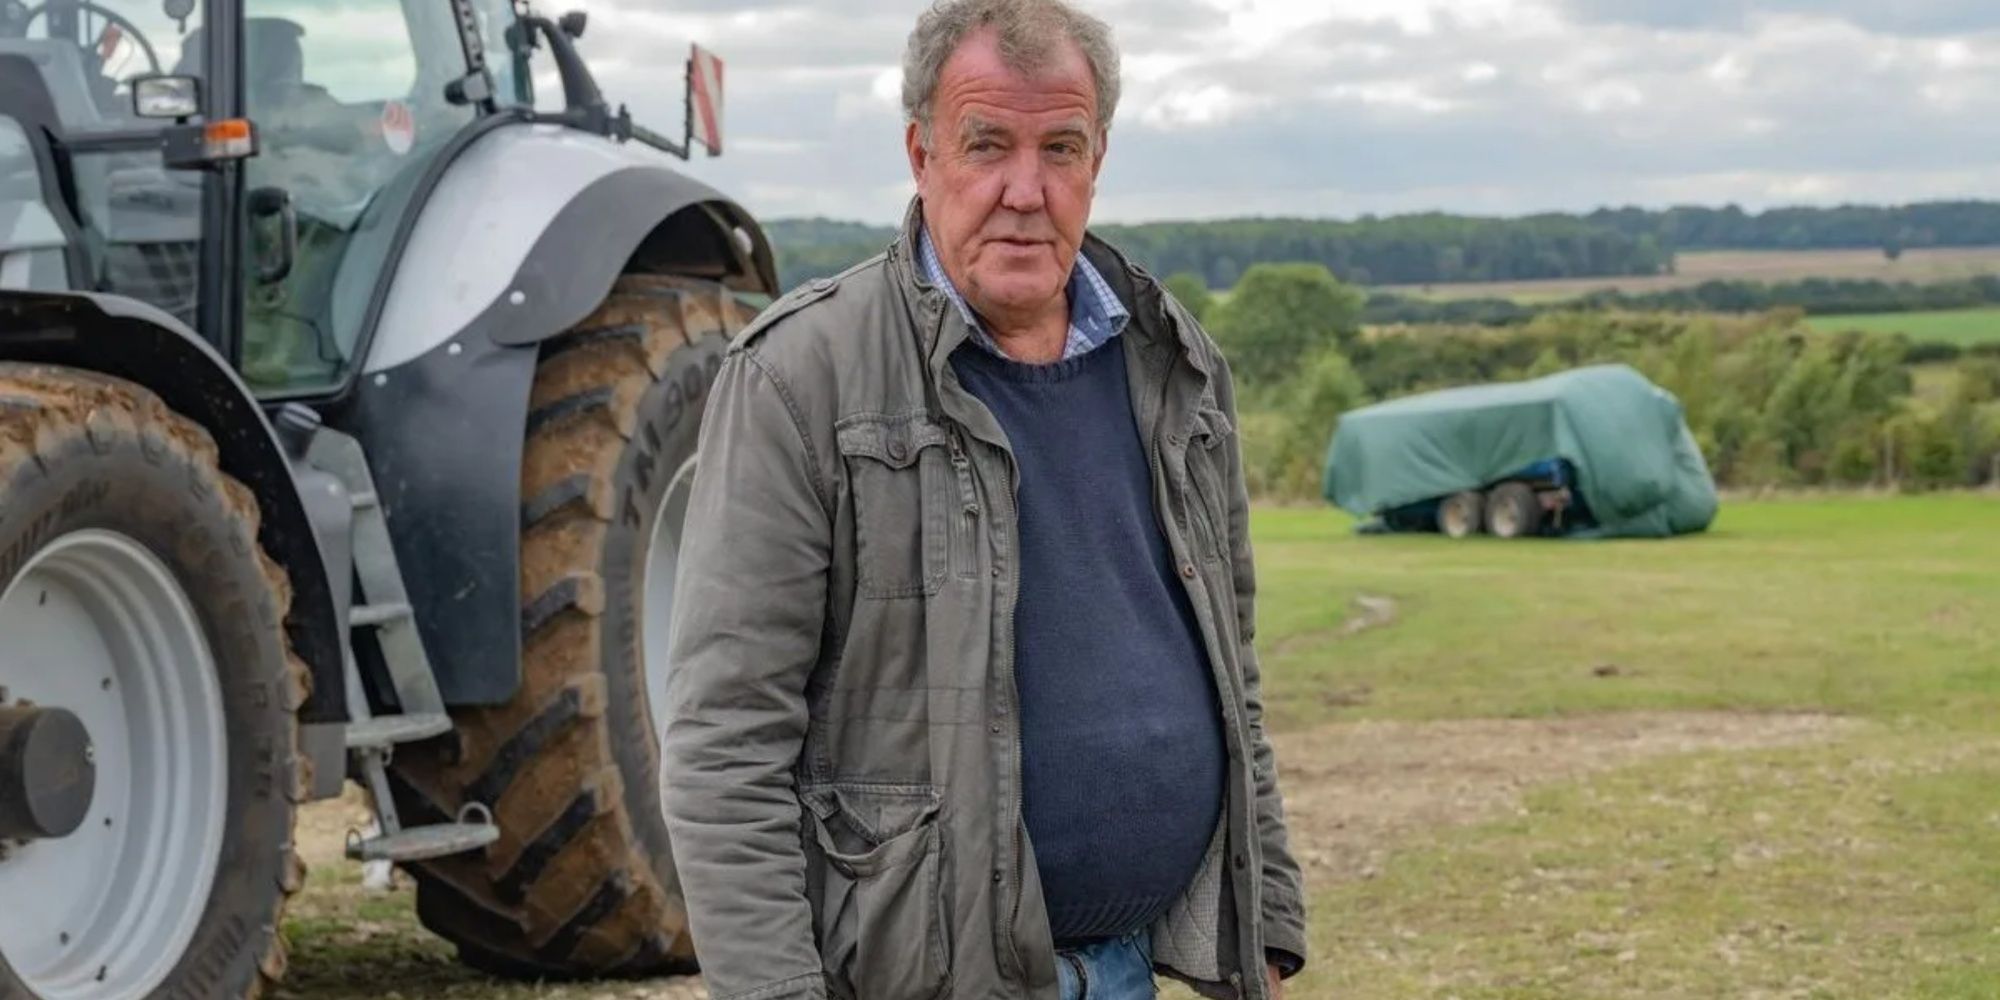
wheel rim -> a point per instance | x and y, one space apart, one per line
1506 521
656 585
98 625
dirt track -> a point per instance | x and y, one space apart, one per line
1356 792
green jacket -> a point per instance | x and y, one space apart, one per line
841 759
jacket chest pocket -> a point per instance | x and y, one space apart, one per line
1207 499
910 491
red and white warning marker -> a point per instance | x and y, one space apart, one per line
399 127
705 99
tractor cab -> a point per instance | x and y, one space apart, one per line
269 242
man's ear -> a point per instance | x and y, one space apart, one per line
920 158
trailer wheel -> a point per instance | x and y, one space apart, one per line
581 882
1460 515
1513 511
149 760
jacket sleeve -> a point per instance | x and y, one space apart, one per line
749 606
1284 916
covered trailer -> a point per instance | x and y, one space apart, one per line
1594 452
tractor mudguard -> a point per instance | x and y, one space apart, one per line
442 407
527 229
128 339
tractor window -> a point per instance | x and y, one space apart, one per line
140 224
349 101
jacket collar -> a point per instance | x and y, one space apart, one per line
942 329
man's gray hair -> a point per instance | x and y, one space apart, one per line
1032 33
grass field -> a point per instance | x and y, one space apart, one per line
1964 327
1761 762
1693 268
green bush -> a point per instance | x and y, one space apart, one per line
1280 316
1192 291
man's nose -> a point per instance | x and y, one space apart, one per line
1023 192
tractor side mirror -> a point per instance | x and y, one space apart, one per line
176 97
573 23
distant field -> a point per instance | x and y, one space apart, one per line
1735 265
1957 326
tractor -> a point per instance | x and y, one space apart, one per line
349 399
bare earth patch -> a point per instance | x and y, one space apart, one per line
1356 792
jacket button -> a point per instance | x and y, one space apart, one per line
996 728
897 451
996 572
1187 570
1241 861
997 876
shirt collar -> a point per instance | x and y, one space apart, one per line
1095 314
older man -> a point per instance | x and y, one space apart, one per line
965 703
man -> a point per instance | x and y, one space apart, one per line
964 702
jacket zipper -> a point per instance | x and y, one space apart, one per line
960 531
1011 520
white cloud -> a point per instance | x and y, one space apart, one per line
1338 107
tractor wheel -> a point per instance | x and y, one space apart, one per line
149 759
1460 514
1513 511
581 882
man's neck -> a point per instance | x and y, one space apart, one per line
1036 340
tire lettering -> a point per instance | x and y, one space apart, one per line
84 496
676 405
631 514
205 973
642 468
38 533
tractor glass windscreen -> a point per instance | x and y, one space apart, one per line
140 223
349 103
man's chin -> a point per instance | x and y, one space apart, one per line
1016 293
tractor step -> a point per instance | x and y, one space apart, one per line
370 615
390 730
422 843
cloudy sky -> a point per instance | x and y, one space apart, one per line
1344 107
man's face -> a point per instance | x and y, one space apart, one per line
1008 176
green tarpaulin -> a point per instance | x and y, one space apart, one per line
1638 468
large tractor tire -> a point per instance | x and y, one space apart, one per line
581 882
149 760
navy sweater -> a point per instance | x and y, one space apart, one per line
1121 736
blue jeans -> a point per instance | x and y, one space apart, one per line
1116 969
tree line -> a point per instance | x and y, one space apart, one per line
1414 249
1811 296
1436 248
1844 227
1771 403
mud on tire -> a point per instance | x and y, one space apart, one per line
81 451
581 882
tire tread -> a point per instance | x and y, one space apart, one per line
567 892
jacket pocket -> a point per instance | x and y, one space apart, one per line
879 899
901 481
1205 459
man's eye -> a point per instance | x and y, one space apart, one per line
1065 149
981 147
